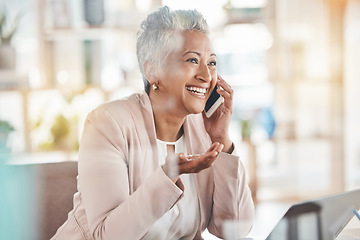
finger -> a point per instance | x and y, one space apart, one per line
219 147
183 158
213 146
197 162
203 114
215 151
216 146
226 91
189 167
226 86
226 94
192 157
209 159
196 165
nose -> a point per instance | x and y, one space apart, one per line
203 73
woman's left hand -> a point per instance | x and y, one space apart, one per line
217 126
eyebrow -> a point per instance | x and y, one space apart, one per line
197 53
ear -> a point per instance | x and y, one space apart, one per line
150 71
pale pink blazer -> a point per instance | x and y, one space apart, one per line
122 190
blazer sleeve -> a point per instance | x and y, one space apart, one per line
231 197
113 213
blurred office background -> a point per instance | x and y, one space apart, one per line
294 65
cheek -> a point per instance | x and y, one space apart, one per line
176 70
213 77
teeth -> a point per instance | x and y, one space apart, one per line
200 91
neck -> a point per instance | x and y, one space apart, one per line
168 129
167 124
168 133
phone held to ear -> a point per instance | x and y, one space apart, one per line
213 103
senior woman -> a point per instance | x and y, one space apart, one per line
153 166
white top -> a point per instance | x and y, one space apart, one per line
184 216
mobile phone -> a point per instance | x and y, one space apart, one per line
213 103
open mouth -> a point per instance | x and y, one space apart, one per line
197 90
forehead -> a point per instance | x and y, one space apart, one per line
193 41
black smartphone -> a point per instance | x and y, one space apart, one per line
213 102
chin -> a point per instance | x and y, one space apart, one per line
195 107
197 110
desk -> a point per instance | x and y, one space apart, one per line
351 230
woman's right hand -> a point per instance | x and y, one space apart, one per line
177 164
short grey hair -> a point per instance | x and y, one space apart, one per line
155 37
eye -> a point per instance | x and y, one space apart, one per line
212 63
192 60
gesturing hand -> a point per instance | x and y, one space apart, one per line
217 126
177 164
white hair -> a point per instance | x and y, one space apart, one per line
155 39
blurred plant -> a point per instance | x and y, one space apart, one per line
8 28
61 126
60 129
62 137
5 129
246 129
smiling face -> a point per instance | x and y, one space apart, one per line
187 77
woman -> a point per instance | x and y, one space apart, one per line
152 166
